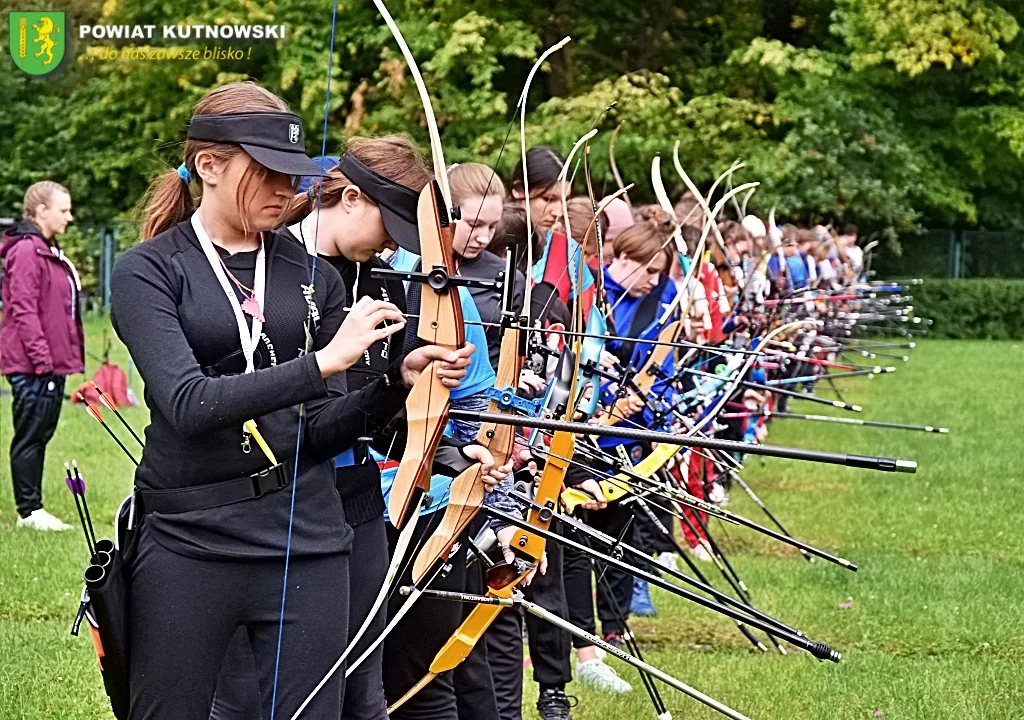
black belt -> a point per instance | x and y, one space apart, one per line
204 497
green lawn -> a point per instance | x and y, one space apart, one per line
934 631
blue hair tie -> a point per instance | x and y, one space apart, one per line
184 174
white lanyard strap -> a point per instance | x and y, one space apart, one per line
247 338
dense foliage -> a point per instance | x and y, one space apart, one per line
978 309
890 113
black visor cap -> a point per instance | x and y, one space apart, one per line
397 203
273 139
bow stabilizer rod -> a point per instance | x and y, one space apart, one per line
866 462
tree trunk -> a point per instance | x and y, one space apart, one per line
560 80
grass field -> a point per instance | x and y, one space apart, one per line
933 628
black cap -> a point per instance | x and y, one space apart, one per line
397 202
273 139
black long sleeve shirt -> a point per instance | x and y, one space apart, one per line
170 311
359 483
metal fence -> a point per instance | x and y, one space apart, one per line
953 254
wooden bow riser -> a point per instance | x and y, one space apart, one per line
441 320
466 494
428 402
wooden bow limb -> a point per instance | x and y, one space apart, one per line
538 611
441 324
525 543
466 494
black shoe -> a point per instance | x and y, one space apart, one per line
555 705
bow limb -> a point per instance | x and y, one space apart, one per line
461 643
775 238
527 544
743 205
563 177
437 154
726 176
466 494
699 197
662 196
522 142
615 167
440 313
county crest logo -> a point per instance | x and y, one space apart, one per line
37 41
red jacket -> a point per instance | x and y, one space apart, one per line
40 326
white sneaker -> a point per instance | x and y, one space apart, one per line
718 495
701 553
668 560
42 520
597 675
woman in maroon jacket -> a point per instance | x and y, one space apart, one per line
41 340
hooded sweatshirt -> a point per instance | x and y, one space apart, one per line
40 326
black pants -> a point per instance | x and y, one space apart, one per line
549 645
36 408
238 696
411 646
474 684
185 612
646 535
579 578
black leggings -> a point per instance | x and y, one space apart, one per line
412 645
185 612
579 575
549 645
237 695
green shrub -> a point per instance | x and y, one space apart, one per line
983 308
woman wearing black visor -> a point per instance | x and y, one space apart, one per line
232 338
363 204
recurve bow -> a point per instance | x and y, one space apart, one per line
440 321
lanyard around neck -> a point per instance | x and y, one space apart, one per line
248 338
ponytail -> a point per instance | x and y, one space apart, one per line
168 202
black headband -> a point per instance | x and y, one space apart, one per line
383 191
397 202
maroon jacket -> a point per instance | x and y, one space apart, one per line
40 327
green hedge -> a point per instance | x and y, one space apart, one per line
984 308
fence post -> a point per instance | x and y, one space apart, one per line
108 264
958 256
951 255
